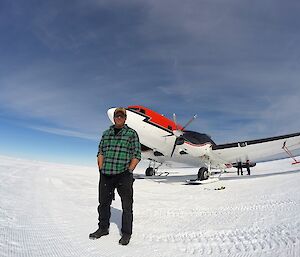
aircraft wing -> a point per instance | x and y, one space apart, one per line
256 150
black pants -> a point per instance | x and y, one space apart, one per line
248 170
240 169
107 184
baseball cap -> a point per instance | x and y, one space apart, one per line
120 109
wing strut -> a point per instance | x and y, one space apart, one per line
284 147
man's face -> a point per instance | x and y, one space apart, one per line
119 119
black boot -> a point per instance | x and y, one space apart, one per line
125 239
99 233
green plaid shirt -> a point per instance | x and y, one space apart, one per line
118 150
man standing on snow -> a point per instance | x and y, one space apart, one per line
239 168
248 167
119 153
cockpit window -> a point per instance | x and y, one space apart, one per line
197 138
142 111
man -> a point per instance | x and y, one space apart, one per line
119 153
239 168
248 167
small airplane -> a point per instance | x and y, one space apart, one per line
164 141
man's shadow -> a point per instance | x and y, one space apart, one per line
116 217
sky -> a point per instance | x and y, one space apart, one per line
64 63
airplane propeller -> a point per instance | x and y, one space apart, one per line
179 132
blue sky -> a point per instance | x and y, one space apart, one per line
64 63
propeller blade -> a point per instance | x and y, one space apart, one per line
189 122
179 141
175 121
174 147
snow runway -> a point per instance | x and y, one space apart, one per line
50 209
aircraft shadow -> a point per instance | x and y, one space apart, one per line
167 179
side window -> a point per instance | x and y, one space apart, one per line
242 144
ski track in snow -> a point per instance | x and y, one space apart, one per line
49 210
237 241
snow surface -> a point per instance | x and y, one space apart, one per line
49 210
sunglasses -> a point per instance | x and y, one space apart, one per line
121 116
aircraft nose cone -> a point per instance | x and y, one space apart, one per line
110 114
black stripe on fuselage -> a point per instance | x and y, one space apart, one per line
145 148
148 120
252 142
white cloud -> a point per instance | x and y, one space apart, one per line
41 92
66 132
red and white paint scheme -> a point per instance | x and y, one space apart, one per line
164 142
